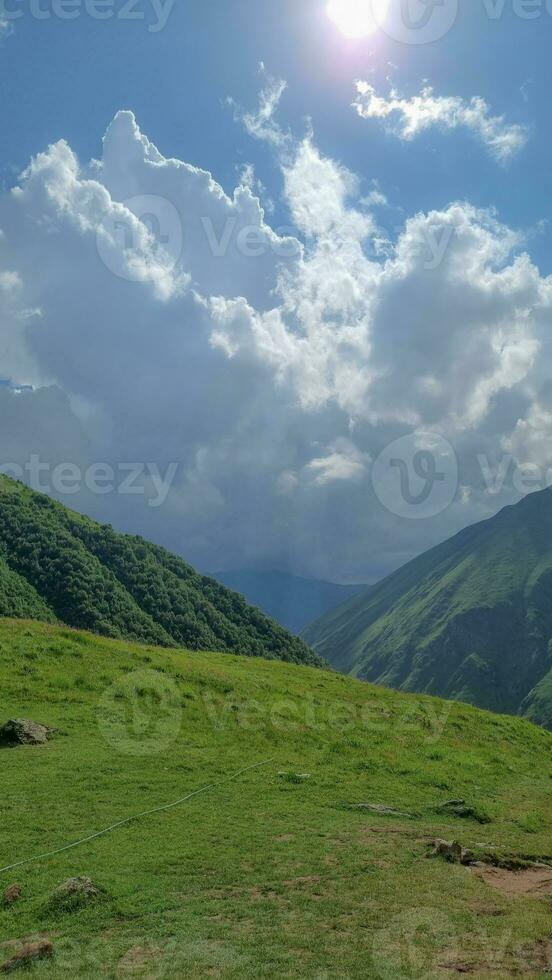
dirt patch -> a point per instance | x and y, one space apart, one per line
305 880
12 894
533 882
542 953
525 961
137 959
490 910
258 895
534 960
11 944
27 955
226 891
459 967
388 830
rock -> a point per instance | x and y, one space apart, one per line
12 894
295 777
452 851
74 893
28 954
22 731
459 808
449 850
385 811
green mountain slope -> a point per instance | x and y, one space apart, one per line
58 565
19 599
470 619
277 873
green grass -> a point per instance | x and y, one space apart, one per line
273 874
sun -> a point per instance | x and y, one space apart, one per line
357 18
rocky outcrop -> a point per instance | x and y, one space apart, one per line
23 731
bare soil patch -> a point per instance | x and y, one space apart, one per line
535 882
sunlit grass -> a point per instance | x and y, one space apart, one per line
273 874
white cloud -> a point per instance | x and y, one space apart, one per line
272 378
9 281
343 461
408 117
6 28
318 191
375 198
262 124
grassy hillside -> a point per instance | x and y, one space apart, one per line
471 619
57 565
289 599
274 874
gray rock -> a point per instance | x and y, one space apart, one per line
384 811
23 731
459 808
452 851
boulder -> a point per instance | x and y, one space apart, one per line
22 731
452 851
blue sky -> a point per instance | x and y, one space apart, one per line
277 385
68 78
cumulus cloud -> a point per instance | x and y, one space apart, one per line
161 318
408 117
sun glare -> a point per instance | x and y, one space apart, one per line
357 18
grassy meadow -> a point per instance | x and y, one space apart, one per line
277 872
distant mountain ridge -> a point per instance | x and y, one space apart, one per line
57 566
292 601
469 620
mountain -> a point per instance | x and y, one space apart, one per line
292 601
469 620
313 863
56 565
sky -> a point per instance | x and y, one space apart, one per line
273 295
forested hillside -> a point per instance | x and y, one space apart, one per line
57 565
